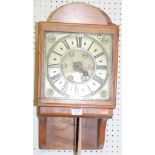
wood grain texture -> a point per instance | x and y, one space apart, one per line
67 112
36 72
58 133
61 133
79 13
101 132
42 132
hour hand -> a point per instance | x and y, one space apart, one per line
79 68
85 72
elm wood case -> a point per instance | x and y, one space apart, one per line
56 124
65 27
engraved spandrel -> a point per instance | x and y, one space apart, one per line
50 37
103 38
49 93
104 93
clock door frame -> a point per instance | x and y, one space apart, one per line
85 28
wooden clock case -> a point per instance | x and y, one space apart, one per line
56 121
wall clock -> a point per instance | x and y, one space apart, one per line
76 77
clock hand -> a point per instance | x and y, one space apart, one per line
85 72
79 68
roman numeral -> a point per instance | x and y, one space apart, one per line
66 44
98 55
56 53
102 67
89 88
98 79
56 77
90 45
64 88
79 41
54 66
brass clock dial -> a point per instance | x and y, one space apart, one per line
77 66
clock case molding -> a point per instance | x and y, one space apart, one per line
74 17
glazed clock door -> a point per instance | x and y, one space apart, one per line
77 66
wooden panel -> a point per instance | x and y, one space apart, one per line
89 134
42 132
60 133
67 112
101 132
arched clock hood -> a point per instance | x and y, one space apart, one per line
81 13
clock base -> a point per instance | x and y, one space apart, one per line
57 133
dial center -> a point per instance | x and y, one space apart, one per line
77 66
